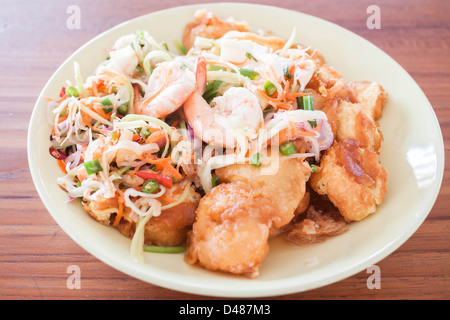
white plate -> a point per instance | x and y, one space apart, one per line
412 151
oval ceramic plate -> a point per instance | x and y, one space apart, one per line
412 152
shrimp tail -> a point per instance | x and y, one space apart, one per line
200 74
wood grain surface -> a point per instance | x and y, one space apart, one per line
35 252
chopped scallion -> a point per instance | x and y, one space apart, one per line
215 181
158 249
287 148
106 102
250 56
180 47
287 74
309 105
93 166
123 109
249 73
72 92
145 132
270 88
107 110
255 159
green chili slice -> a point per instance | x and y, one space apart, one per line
150 186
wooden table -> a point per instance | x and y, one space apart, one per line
35 252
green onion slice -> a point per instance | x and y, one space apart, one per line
106 102
72 92
249 73
287 148
270 88
255 159
158 249
309 105
215 181
286 72
250 56
93 166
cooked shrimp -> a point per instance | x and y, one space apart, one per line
272 42
237 109
207 24
168 88
303 64
231 230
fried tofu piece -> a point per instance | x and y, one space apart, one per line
102 209
369 94
231 229
352 178
354 121
170 228
285 188
235 220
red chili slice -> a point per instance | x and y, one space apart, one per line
163 180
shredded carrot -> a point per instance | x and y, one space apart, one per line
314 54
165 164
295 95
167 199
62 166
135 170
280 98
86 121
120 213
99 110
64 117
284 106
156 136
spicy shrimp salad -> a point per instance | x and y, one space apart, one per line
144 141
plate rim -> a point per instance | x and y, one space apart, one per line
283 287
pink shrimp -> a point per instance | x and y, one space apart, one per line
168 88
238 108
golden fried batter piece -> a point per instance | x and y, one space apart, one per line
316 226
102 209
206 24
369 94
285 188
170 228
231 230
235 220
355 121
353 179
